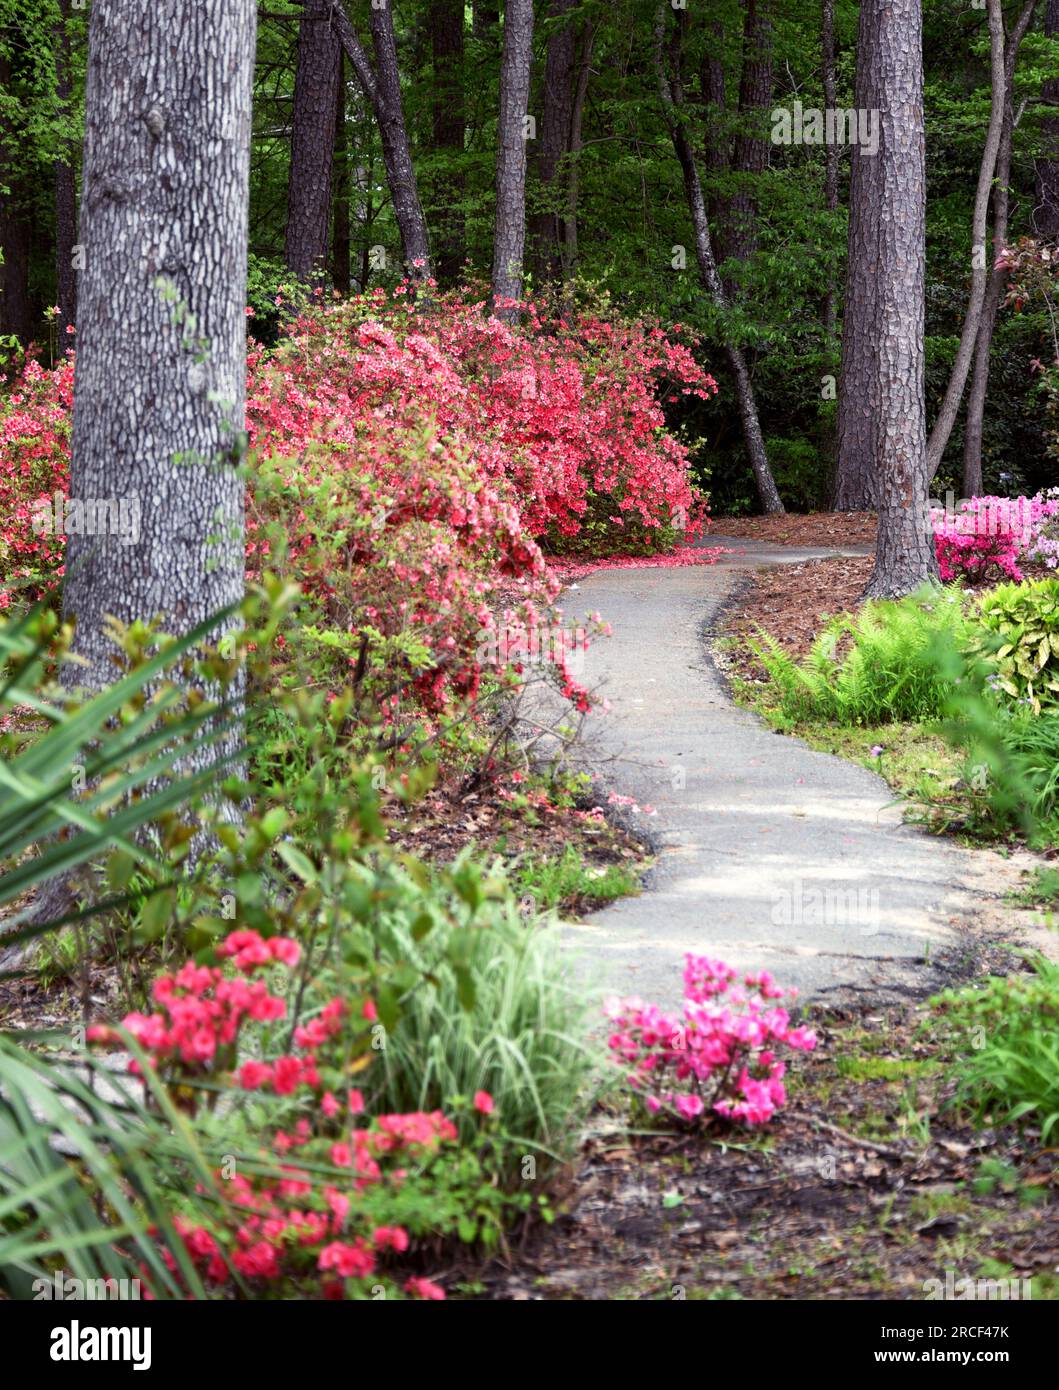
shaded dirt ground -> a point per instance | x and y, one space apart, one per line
791 604
835 529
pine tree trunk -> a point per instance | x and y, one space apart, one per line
449 130
65 193
827 73
1046 167
509 239
16 308
340 237
382 87
855 473
570 247
671 92
980 271
905 556
553 145
312 151
976 396
160 380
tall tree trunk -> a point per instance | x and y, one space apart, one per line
553 145
1046 167
510 235
827 73
904 557
449 130
750 148
340 239
671 92
855 473
976 397
160 380
980 272
312 151
570 245
65 191
382 87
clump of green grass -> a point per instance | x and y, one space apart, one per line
571 882
1006 1047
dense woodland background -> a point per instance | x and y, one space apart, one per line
605 202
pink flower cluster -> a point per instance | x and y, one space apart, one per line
995 531
280 1223
201 1010
719 1056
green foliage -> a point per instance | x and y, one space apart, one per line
86 1168
1020 639
90 1214
1006 1048
875 667
498 1015
567 880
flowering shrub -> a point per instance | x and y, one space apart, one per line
719 1056
565 414
405 465
1000 531
35 423
332 1196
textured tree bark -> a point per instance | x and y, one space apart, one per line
827 74
750 148
855 471
904 556
509 239
670 88
382 87
573 177
65 193
160 380
340 238
312 153
980 272
976 396
449 132
1046 167
547 225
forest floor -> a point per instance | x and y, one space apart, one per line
866 1187
870 1185
838 530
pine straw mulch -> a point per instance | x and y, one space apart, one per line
835 529
864 1188
445 822
791 603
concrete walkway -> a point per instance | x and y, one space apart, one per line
770 855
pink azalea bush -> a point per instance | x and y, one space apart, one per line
406 467
996 532
719 1056
334 1197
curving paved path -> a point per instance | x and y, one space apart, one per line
770 855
